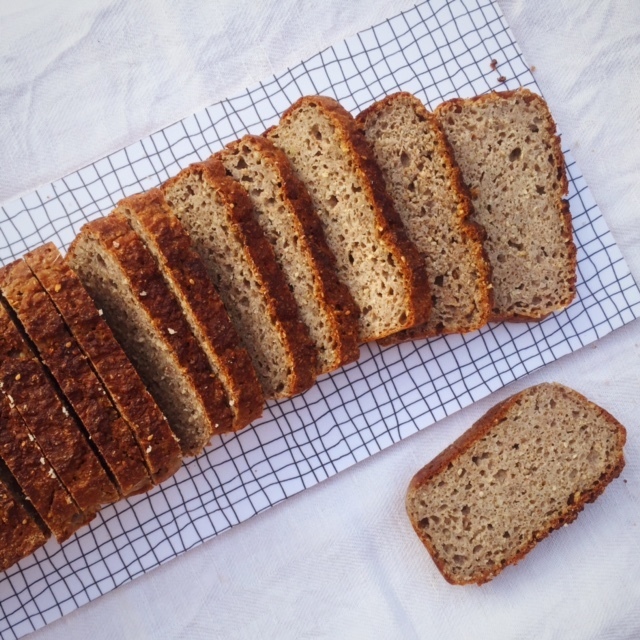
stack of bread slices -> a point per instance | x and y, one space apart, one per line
247 276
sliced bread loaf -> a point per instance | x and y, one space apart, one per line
424 183
217 213
511 160
524 469
50 421
28 465
21 529
285 213
148 424
187 278
375 259
60 353
124 281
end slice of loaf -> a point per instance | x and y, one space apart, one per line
526 468
375 259
217 213
511 160
285 212
424 182
60 353
186 276
50 420
159 445
124 281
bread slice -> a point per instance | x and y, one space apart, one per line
187 278
424 182
157 442
217 213
375 259
285 213
21 529
50 421
124 281
27 463
60 353
524 469
511 160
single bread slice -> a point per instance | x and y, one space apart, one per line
21 529
286 214
511 160
26 462
124 281
60 353
424 183
187 278
526 468
217 213
375 259
50 421
148 424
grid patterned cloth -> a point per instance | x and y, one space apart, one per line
438 50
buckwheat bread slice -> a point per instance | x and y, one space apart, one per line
217 213
21 529
285 213
61 355
157 442
124 281
524 469
375 259
51 422
511 160
26 462
187 278
424 182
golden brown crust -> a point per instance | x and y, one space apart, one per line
341 309
121 380
187 270
390 228
282 307
469 227
562 204
476 432
150 289
61 438
60 353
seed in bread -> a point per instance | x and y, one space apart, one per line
511 160
524 469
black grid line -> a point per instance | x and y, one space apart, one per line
437 50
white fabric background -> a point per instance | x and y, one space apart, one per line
81 79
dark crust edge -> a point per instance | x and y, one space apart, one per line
476 432
283 310
468 226
121 380
562 205
337 301
180 259
392 232
60 353
118 238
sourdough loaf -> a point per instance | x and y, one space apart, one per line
284 211
187 278
524 469
375 259
148 424
124 281
217 213
511 160
424 183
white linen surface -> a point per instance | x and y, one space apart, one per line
81 79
